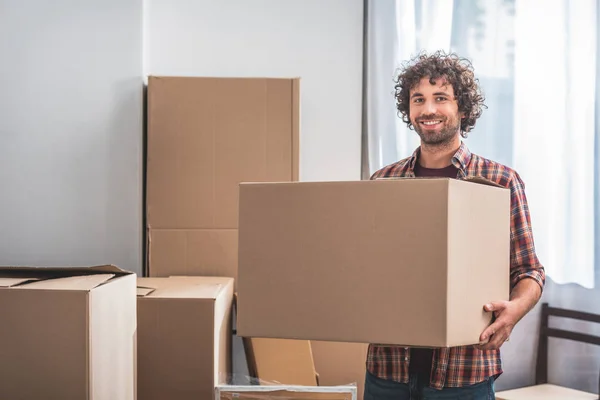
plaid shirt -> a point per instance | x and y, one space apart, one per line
465 365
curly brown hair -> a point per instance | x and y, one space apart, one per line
457 71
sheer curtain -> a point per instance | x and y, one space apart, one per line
536 61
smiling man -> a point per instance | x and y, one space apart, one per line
439 97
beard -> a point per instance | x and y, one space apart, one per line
443 135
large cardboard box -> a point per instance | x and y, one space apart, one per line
67 333
184 336
205 136
286 392
399 261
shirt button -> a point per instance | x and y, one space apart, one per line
405 358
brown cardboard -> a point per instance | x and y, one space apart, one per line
545 392
67 333
184 336
403 261
283 361
285 392
339 363
205 136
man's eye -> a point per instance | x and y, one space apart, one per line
441 98
418 100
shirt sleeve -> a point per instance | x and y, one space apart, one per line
524 262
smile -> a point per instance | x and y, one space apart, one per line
430 123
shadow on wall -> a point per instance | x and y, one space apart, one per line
124 175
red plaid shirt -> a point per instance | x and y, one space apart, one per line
466 365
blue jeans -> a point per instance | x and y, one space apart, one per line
417 389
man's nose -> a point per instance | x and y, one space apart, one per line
429 108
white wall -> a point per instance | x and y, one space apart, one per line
317 40
70 132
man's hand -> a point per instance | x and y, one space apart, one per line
523 298
507 316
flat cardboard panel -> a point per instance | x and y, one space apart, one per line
222 334
283 361
205 136
340 364
479 258
44 344
112 319
175 341
182 345
180 151
362 251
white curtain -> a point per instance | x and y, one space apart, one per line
536 61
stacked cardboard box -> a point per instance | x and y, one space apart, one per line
205 137
184 336
67 333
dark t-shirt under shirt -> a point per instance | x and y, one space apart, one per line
420 358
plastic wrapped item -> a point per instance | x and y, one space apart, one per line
285 392
243 387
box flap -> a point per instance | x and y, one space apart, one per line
144 291
23 271
483 181
182 287
14 281
82 282
473 179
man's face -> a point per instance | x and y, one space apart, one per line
434 111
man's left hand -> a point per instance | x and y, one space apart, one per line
507 314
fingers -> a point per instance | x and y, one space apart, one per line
495 341
490 331
495 306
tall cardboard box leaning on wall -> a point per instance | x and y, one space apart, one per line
67 333
407 261
205 136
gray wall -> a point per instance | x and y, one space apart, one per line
70 132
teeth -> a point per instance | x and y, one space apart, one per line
431 122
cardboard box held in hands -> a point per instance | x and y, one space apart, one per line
400 261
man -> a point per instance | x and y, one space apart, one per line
439 97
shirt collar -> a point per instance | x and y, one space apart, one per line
460 159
